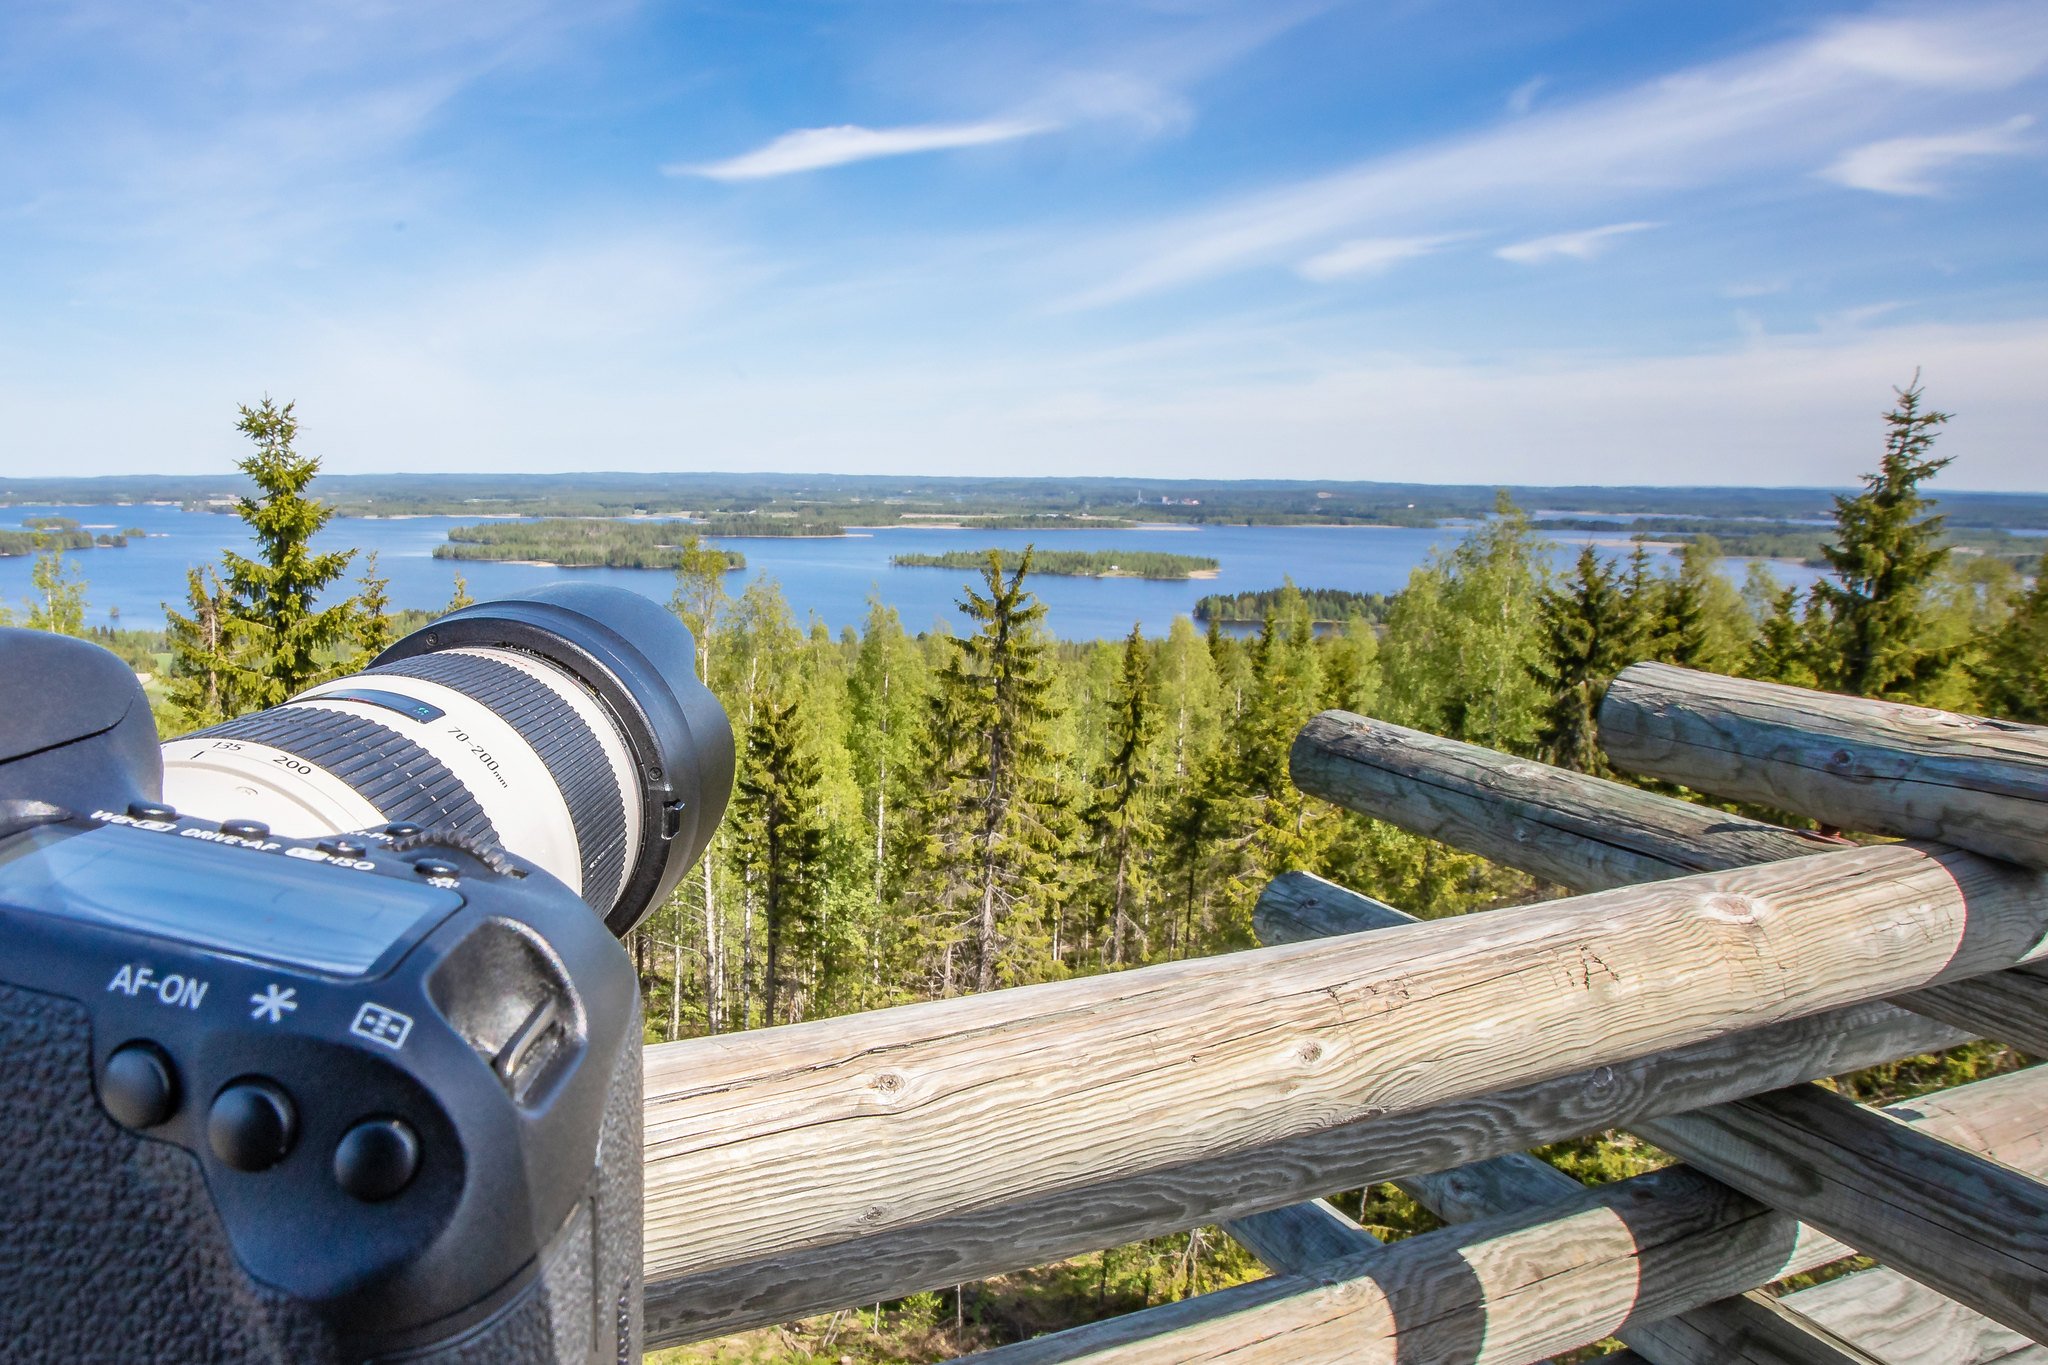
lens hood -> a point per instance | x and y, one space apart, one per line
640 663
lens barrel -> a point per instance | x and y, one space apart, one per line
568 725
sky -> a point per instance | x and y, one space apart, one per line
1601 242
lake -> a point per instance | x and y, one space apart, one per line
830 579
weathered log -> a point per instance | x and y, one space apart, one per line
1589 834
1008 1098
1970 1227
1751 1329
1900 1320
1300 1235
1849 762
1508 1287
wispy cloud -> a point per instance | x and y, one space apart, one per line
1584 245
1906 165
1523 97
814 149
1781 107
1372 256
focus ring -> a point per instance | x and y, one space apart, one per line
565 745
398 777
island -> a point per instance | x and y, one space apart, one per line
1074 563
1325 605
580 543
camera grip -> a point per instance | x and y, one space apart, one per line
111 1248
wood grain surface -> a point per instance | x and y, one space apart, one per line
985 1134
1589 834
1849 762
1505 1288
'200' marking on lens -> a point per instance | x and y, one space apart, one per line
483 755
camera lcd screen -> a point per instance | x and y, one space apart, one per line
301 914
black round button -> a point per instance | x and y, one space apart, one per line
245 829
376 1159
138 1085
251 1125
435 867
404 829
341 848
151 810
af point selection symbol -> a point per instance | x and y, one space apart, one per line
318 994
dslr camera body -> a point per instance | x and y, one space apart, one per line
317 1039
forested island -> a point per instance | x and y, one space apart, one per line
1072 563
60 533
1325 606
581 543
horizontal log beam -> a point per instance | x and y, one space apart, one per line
1903 1322
1751 1329
1588 834
1972 1228
1849 762
1300 1235
1014 1231
994 1098
1504 1288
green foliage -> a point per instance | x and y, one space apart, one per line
1589 635
1464 639
1070 563
2013 670
372 632
284 633
776 820
58 601
1325 605
582 542
206 647
1886 552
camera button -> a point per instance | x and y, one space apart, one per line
245 829
404 829
138 1086
252 1125
342 848
376 1159
436 867
151 810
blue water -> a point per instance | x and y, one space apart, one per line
830 579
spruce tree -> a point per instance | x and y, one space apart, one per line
1783 649
1586 631
458 594
275 592
2013 674
987 836
1120 815
1886 552
887 691
777 810
373 611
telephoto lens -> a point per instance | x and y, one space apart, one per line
568 726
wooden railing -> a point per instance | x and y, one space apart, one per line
1711 965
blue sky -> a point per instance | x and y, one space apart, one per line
1605 242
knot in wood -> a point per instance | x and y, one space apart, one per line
1841 761
1310 1051
1600 1077
1732 907
888 1082
873 1214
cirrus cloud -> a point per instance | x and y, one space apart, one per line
1906 165
813 149
1584 245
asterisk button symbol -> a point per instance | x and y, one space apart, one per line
273 1002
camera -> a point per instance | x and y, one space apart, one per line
317 1038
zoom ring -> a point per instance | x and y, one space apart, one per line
565 745
398 777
